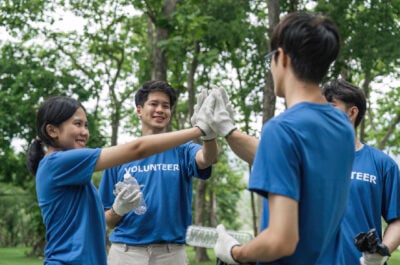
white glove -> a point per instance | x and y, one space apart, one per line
224 245
127 199
227 103
221 120
201 97
203 108
372 259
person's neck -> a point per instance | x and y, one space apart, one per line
298 91
151 131
358 145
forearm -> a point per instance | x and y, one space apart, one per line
391 237
143 147
208 155
243 145
279 239
265 247
112 219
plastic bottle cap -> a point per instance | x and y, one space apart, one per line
127 176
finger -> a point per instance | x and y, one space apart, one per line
220 228
209 104
224 95
201 96
122 192
135 196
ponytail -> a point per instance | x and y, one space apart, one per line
35 154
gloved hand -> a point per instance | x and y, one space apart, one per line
202 110
224 245
372 259
201 96
221 120
227 103
127 199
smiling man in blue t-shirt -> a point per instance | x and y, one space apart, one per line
156 237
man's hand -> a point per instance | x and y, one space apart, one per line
227 103
372 259
126 200
221 121
198 111
373 252
224 246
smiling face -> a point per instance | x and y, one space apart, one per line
155 113
72 133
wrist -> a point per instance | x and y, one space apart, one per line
201 130
230 133
234 254
114 213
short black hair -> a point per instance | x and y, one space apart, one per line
350 94
311 41
155 86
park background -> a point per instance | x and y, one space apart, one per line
101 51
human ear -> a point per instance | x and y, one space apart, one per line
139 110
282 57
353 113
52 130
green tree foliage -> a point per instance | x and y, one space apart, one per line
218 43
369 30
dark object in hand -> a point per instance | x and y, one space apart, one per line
368 242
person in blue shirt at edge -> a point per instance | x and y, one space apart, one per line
303 160
156 237
375 183
70 205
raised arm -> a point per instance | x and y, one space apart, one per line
145 146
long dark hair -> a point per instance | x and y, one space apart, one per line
55 110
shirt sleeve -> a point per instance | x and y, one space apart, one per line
391 195
276 167
75 166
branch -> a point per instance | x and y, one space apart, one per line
389 132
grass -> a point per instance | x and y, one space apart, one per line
17 256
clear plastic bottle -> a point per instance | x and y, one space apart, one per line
206 237
129 180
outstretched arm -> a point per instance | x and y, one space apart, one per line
144 146
243 145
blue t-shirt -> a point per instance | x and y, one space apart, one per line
71 208
374 193
306 153
167 191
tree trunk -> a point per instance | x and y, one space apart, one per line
200 198
201 253
269 102
365 88
160 61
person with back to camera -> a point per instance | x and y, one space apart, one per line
303 160
375 184
70 205
157 237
